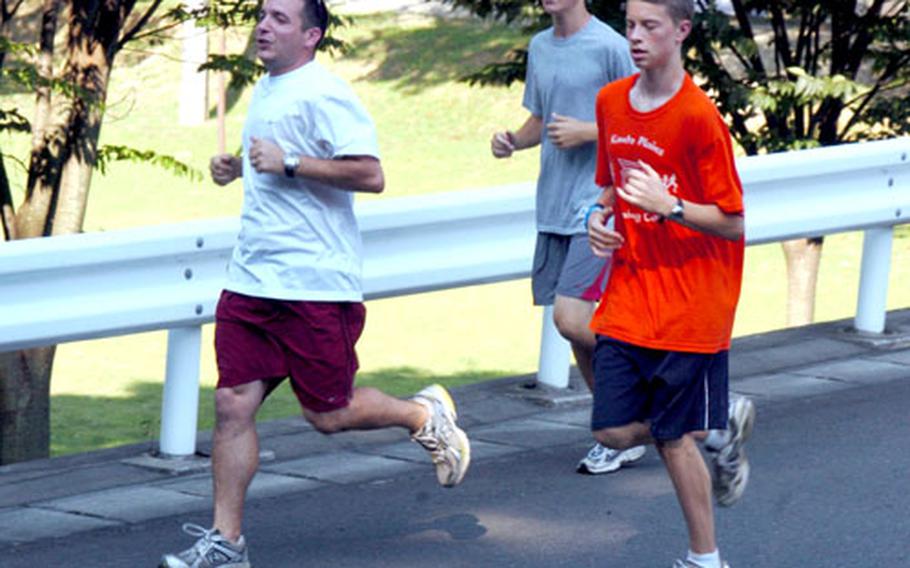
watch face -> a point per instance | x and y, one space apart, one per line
290 165
677 210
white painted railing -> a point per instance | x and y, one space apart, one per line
168 277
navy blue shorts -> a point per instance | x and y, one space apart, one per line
673 391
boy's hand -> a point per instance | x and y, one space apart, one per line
603 240
645 189
502 144
566 132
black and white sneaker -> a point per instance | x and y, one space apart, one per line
601 459
447 444
730 471
211 551
686 564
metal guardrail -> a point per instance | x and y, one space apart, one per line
168 277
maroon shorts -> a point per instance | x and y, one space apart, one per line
310 342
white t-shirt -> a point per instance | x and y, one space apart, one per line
299 238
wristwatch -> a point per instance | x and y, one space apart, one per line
290 165
677 212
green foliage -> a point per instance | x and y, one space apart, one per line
223 14
26 76
786 74
532 18
823 77
114 153
10 47
218 14
243 71
891 115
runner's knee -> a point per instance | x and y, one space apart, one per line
326 422
236 404
570 326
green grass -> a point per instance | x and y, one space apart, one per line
100 421
434 134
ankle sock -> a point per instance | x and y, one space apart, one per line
717 439
709 560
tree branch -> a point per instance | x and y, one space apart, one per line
142 35
781 41
745 25
6 14
130 34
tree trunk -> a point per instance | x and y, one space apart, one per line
7 210
48 141
25 404
803 257
45 68
60 174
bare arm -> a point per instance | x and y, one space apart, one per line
566 132
356 173
646 191
353 173
505 143
710 219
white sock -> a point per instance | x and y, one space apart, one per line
717 439
709 560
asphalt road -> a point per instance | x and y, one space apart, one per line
830 487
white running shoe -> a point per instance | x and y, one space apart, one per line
730 471
448 445
601 459
686 564
211 551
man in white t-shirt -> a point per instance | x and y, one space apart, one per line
292 306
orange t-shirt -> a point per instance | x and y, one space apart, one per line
671 287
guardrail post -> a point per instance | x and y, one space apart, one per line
180 403
873 280
553 369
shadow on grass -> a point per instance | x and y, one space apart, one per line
416 58
85 423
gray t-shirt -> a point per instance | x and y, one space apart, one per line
564 76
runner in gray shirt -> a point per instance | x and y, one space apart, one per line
568 63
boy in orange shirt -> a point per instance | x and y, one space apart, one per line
665 161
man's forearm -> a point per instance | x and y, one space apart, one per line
529 134
590 131
358 173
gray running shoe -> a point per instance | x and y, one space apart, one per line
730 472
211 550
448 445
686 564
601 459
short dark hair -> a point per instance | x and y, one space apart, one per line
678 9
315 15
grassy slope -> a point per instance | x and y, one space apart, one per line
433 135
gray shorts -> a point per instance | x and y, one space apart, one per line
565 265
